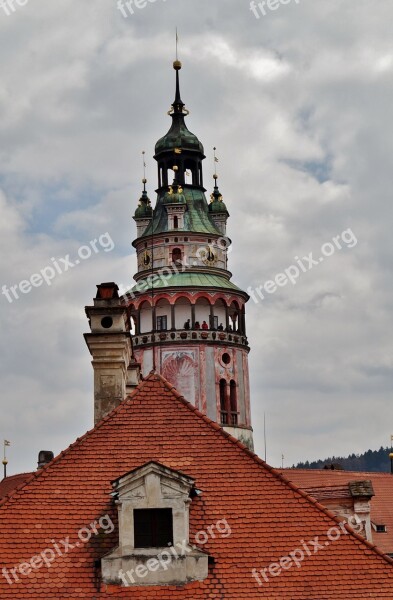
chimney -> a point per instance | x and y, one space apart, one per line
115 371
44 457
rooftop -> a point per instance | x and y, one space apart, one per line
381 502
269 517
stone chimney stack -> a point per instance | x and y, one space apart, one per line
115 371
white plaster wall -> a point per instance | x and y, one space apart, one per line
165 311
146 322
192 252
219 311
202 311
182 313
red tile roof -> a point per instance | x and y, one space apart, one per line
9 484
269 517
381 503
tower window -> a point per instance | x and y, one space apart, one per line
175 222
107 322
176 255
223 402
228 403
162 323
233 402
214 323
226 359
153 527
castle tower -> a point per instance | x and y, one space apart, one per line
188 317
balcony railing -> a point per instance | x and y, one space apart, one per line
192 335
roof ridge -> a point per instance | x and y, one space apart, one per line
343 471
15 475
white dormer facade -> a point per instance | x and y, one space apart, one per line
153 503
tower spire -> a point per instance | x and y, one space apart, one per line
178 104
144 180
215 163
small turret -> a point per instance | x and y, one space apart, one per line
218 209
144 212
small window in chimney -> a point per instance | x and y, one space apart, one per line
153 527
107 322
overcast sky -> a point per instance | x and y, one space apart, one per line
299 104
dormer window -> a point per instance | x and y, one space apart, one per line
153 504
380 528
153 527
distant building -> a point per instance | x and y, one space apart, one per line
349 493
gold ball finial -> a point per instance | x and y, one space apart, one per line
175 168
391 455
144 180
5 462
177 65
215 176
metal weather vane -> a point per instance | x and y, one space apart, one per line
5 461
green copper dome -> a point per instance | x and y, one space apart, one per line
217 205
144 209
179 137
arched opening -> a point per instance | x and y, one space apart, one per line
191 167
219 318
183 314
176 256
233 402
234 317
170 176
175 222
223 402
160 175
163 315
133 323
145 313
202 314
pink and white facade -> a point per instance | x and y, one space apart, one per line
188 317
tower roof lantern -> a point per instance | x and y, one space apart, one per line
179 137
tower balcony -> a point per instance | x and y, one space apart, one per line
227 338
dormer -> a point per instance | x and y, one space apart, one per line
153 504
